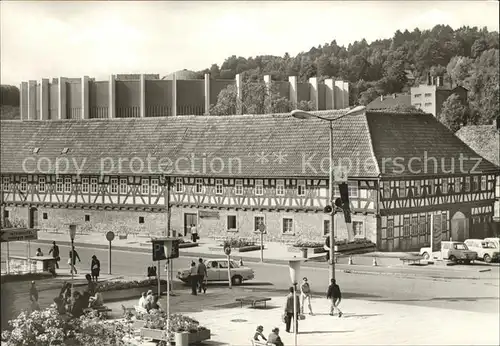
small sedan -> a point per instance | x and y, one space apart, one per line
217 271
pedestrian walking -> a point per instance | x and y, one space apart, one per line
39 252
73 255
335 296
194 233
202 276
193 277
54 250
305 295
95 268
289 311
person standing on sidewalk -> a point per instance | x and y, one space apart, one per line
335 296
202 276
289 311
193 277
194 233
72 259
305 295
95 268
54 250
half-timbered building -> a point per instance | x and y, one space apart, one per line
226 175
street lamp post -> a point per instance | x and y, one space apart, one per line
305 115
72 234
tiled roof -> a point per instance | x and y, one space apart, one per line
246 146
406 143
390 101
483 139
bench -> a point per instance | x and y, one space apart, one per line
411 259
253 301
258 343
103 310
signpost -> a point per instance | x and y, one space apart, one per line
110 236
262 229
227 251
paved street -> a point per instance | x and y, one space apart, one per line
480 292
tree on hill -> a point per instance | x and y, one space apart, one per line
454 113
9 95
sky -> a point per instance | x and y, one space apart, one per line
46 39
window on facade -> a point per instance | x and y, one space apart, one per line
257 221
475 183
428 94
326 227
67 185
418 105
85 185
301 187
280 187
45 216
352 187
154 186
145 186
114 185
431 187
457 186
179 184
406 227
59 185
41 184
357 228
428 227
336 190
141 219
218 186
444 186
428 104
467 184
123 186
414 226
238 187
390 228
402 189
287 225
6 181
483 182
437 224
416 188
422 225
199 185
6 214
231 222
417 95
387 189
93 185
24 184
87 218
259 187
444 222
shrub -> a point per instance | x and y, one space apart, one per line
121 285
237 242
312 244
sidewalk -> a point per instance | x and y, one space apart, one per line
363 322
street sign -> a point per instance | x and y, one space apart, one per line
165 249
262 227
110 236
18 234
227 250
340 174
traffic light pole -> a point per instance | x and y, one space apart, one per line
332 214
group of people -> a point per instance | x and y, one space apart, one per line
198 277
333 294
149 301
95 265
76 303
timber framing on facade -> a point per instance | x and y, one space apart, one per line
227 174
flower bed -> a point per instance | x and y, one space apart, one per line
237 242
250 248
155 325
121 290
122 285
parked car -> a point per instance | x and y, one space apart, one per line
486 250
217 271
495 241
454 251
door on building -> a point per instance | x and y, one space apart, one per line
459 227
189 221
33 218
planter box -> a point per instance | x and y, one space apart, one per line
158 334
121 237
250 248
129 293
186 245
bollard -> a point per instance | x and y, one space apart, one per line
350 260
375 261
181 339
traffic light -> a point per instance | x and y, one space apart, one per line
328 209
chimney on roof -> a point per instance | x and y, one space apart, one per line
381 97
429 80
440 81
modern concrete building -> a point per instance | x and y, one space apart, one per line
228 174
388 101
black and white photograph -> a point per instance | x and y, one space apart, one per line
250 173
